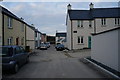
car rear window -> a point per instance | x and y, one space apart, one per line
7 51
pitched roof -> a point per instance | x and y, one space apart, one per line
7 12
79 14
106 12
61 34
94 13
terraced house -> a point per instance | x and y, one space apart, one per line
81 23
13 29
0 26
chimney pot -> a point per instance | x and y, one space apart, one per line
91 5
69 6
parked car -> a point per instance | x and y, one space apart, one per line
43 46
47 44
60 47
13 57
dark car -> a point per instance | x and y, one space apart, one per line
59 47
13 57
43 46
47 44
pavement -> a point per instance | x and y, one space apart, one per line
57 64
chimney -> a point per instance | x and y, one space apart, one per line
69 7
32 25
91 5
21 18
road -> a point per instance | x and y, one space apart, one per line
56 64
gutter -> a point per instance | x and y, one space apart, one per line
103 69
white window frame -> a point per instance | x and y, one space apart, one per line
80 23
9 41
81 38
9 22
22 27
103 21
22 41
117 21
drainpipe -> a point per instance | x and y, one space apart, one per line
2 29
25 36
94 26
71 36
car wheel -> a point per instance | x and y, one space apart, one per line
16 68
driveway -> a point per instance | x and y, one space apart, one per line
57 64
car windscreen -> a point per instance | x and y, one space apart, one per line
42 45
60 45
7 51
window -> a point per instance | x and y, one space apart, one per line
103 21
80 39
9 22
90 23
17 50
22 41
74 31
10 41
22 27
117 21
35 34
80 23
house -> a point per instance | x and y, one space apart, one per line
30 36
51 39
81 23
0 27
106 49
13 29
37 38
43 37
60 37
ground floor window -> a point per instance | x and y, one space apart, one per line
22 41
10 41
80 39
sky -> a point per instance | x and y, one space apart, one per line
49 17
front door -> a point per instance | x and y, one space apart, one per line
89 41
17 41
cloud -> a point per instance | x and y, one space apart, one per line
48 16
61 0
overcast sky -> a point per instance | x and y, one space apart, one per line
49 16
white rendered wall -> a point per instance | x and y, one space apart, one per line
105 49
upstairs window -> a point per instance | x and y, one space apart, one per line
9 22
117 21
35 34
90 23
103 21
22 27
80 23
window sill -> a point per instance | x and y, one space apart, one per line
90 27
80 43
117 25
103 25
10 27
80 27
